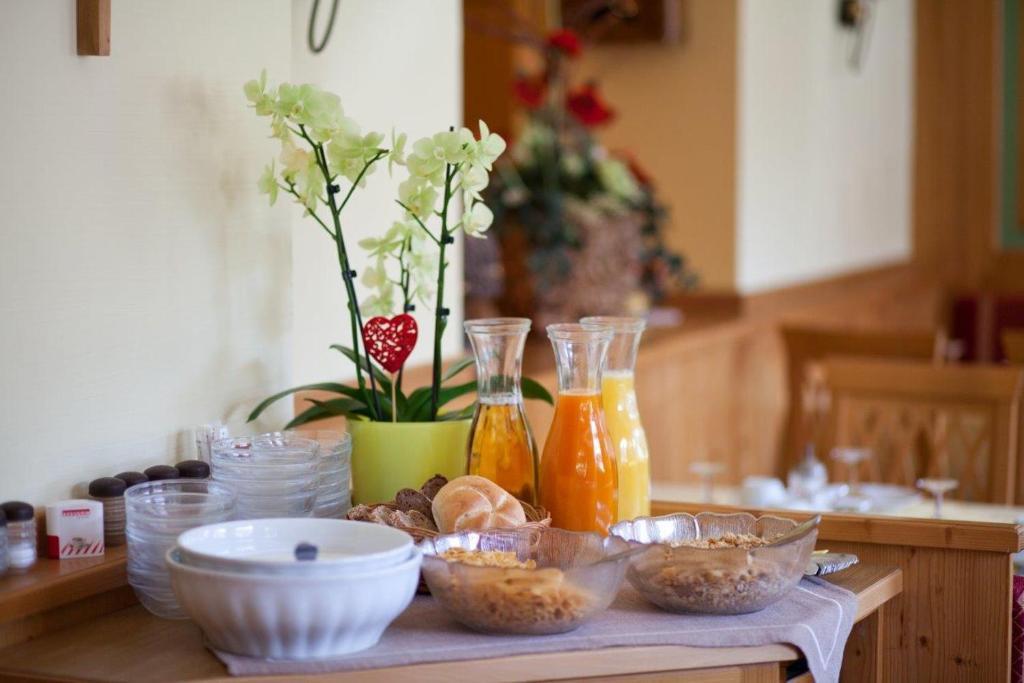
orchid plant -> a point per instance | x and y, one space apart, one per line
325 157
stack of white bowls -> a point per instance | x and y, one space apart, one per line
334 493
294 588
274 475
156 513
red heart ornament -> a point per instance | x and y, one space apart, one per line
389 342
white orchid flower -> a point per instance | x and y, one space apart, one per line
476 221
396 156
418 197
268 182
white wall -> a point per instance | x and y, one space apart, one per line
145 287
824 163
395 63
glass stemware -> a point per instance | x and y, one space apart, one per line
938 488
706 470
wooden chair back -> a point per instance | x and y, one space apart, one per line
920 419
1013 345
806 347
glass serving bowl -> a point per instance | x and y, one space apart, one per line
680 578
577 576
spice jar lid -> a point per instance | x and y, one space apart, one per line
18 511
193 469
107 487
158 472
132 478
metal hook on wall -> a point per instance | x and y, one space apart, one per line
310 39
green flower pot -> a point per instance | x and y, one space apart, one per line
388 456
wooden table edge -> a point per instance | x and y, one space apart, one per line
877 594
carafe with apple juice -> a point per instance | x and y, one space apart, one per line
578 478
623 415
501 446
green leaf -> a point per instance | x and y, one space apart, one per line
322 386
320 411
448 394
463 414
532 389
382 379
419 403
456 368
341 406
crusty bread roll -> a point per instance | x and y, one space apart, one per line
474 503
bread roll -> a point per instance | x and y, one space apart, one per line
475 503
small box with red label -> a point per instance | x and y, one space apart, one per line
74 528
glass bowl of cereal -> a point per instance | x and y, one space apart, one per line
532 581
713 563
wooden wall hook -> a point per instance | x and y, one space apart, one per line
93 18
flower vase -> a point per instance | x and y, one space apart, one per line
390 456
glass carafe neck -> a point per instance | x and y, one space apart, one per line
498 350
580 356
625 341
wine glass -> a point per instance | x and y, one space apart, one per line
938 488
852 457
706 470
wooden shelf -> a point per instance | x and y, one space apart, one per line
59 593
55 583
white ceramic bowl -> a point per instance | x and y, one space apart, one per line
267 546
295 618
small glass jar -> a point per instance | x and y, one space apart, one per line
22 541
110 492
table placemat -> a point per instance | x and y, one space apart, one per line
815 617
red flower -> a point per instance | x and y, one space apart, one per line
587 105
531 91
565 41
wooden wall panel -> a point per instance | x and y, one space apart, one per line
956 146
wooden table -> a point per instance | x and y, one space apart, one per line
923 508
952 622
131 645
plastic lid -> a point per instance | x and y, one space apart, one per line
107 487
132 478
158 472
193 469
18 511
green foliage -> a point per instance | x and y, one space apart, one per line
416 407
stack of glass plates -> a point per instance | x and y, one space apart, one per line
334 491
274 475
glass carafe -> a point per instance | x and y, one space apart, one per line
623 416
578 479
501 447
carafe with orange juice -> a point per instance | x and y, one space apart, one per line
578 480
623 415
501 447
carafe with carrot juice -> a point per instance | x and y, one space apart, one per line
623 415
578 480
501 447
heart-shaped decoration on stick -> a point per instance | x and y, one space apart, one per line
390 341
